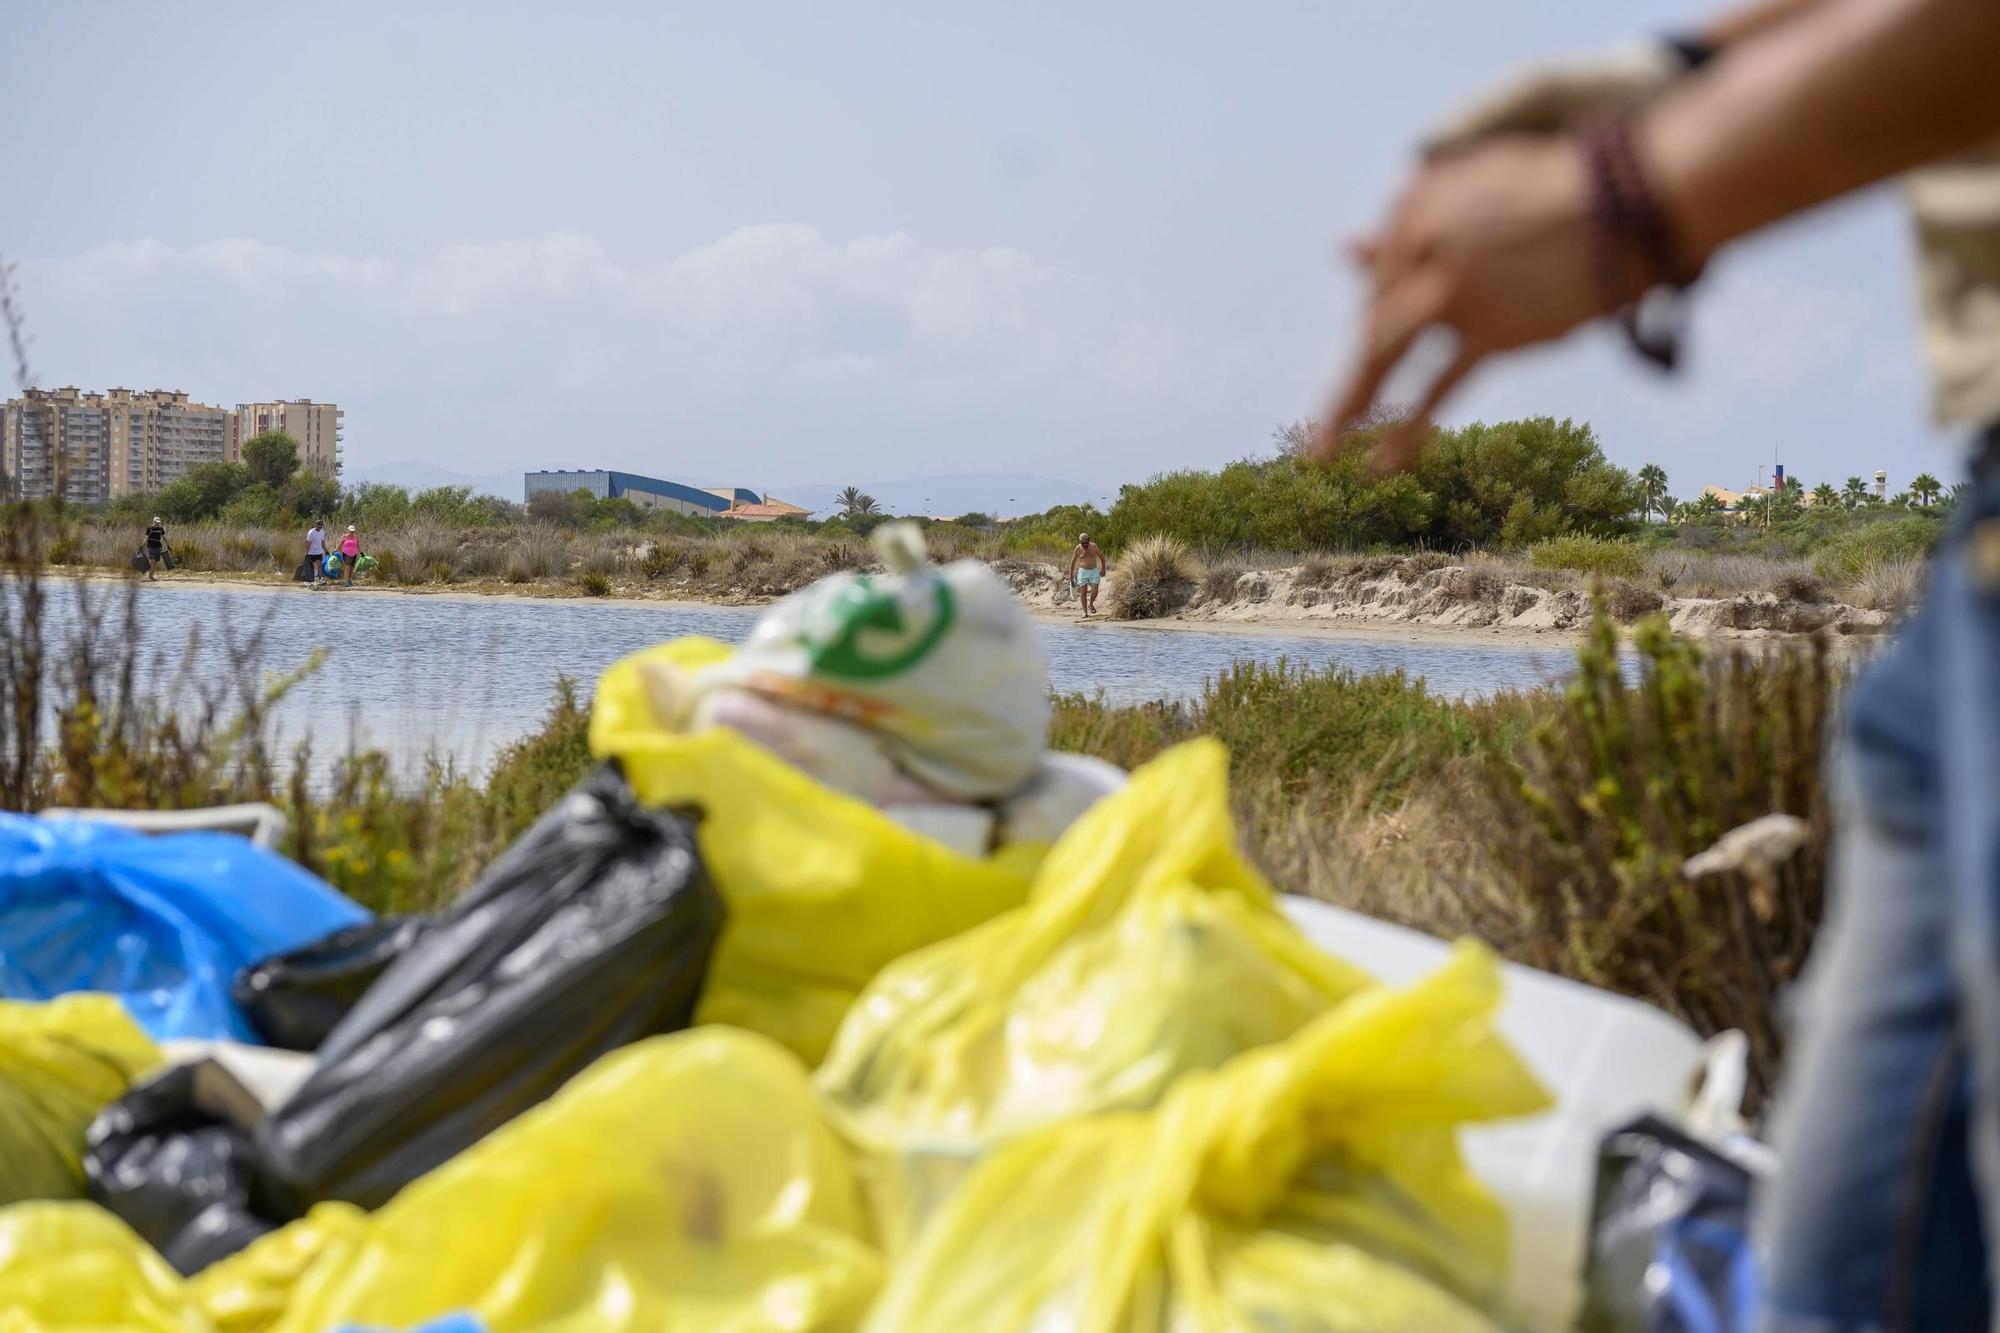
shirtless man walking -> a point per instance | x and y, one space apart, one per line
1086 570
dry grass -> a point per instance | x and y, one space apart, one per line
1218 584
1155 576
1891 585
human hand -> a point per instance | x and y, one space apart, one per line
1498 246
1550 98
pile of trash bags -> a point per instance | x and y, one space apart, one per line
830 1001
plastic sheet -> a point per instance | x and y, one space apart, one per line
592 931
60 1064
823 890
161 921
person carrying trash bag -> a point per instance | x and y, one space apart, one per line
350 555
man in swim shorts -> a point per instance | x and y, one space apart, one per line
1086 570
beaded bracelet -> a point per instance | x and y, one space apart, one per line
1628 216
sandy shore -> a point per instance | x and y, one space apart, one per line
1038 608
1389 609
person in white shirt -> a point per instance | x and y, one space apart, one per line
316 549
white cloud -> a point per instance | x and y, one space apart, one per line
779 323
782 286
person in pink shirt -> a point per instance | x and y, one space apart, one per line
350 551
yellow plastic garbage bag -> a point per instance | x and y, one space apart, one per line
682 1184
74 1268
61 1062
1149 948
1314 1186
248 1291
823 890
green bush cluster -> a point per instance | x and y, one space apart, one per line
1507 483
1850 554
1312 730
1604 557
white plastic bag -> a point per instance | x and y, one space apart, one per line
940 667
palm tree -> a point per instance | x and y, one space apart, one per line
1926 488
854 502
1653 482
1825 496
1853 494
1708 502
1901 500
1670 508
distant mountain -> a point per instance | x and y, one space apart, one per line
1001 494
422 476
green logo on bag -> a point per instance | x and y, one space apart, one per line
867 636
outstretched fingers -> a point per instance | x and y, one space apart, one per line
1399 448
1398 314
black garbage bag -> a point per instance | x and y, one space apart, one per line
296 999
181 1176
594 930
1669 1237
139 561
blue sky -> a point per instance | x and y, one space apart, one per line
791 242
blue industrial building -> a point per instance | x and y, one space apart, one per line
646 492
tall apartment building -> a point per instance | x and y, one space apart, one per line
316 426
98 445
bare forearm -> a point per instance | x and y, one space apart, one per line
1850 94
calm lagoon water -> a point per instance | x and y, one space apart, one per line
462 676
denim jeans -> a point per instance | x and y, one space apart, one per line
1888 1123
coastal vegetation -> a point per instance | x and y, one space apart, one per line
1530 503
1553 823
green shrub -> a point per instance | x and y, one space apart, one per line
1852 553
1590 821
594 583
1310 730
1614 558
661 559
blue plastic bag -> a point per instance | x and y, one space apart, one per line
163 922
